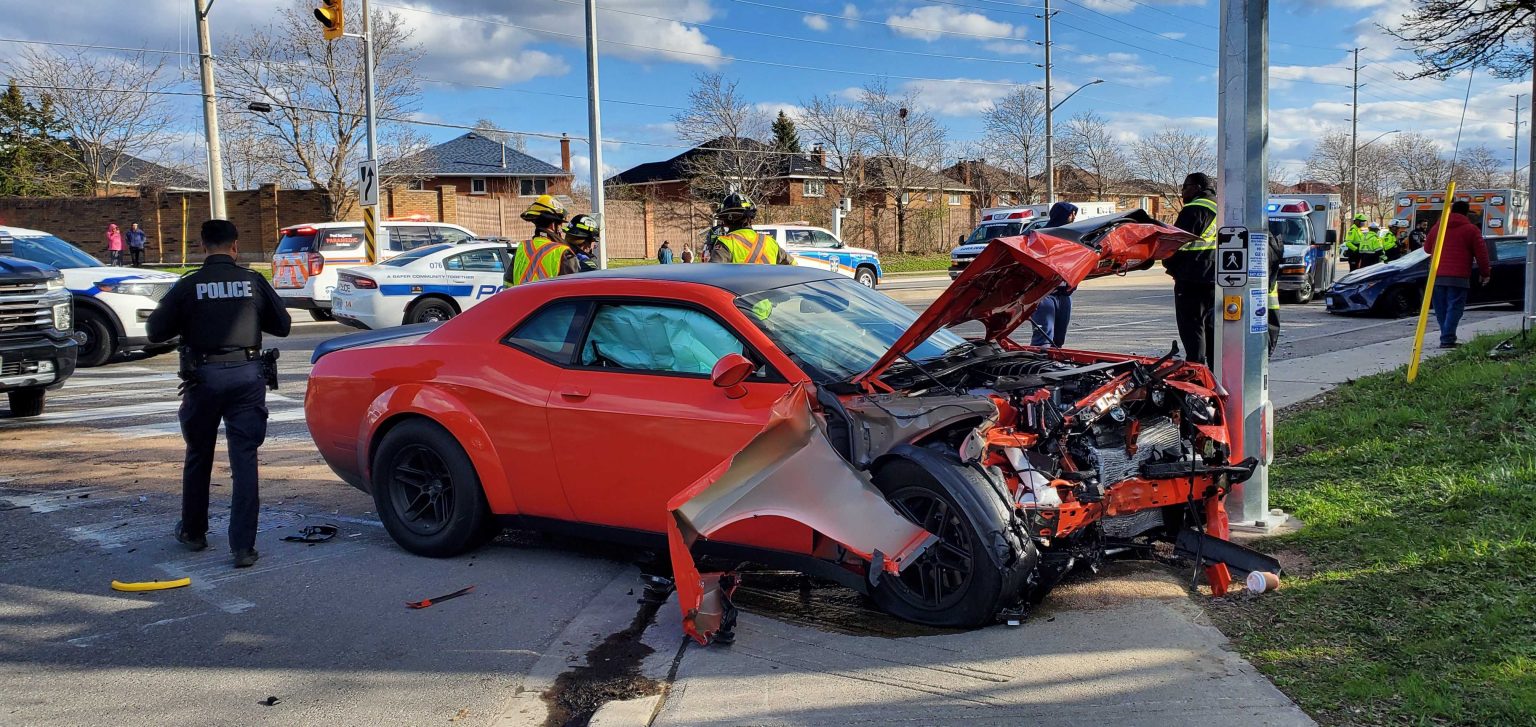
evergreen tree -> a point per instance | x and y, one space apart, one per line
785 136
30 165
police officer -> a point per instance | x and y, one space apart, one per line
740 243
220 312
1193 269
545 255
1355 242
583 236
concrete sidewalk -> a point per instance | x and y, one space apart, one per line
1295 380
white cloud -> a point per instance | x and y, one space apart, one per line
815 22
956 96
1013 48
851 11
931 22
1125 68
1173 36
1126 6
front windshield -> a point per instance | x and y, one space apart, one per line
988 233
835 329
52 251
404 259
1290 230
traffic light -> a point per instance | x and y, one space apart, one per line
331 18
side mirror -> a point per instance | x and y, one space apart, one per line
729 372
1331 237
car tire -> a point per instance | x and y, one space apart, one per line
866 277
952 584
100 340
1305 294
427 492
429 310
321 314
27 402
1401 301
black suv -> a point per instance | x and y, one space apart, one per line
37 345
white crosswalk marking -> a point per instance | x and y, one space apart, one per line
137 402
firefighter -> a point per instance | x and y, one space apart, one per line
1193 269
740 243
545 255
1355 242
583 235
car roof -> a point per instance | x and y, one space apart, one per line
391 223
24 232
736 279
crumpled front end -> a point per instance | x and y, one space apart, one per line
788 471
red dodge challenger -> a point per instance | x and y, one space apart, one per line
792 417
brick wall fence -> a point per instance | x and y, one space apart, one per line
169 219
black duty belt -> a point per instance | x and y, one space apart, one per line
238 356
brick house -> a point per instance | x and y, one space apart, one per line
799 179
475 165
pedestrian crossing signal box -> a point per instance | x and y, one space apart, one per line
1232 258
1232 308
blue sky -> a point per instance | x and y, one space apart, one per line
1157 58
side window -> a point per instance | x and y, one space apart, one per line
476 261
451 236
406 238
823 239
661 338
798 237
1509 250
552 332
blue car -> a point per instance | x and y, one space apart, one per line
1396 288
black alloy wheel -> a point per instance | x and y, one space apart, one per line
321 314
421 490
430 310
940 577
100 341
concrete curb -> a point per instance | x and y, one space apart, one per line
608 611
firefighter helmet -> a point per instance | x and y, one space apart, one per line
544 209
737 204
581 227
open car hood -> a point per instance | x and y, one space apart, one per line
1002 286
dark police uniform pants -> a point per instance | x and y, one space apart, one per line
1194 309
235 393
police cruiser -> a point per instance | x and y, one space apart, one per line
111 303
432 283
815 243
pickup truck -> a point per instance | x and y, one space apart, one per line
37 343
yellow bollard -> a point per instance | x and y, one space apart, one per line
1429 286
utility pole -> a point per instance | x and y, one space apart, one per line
1242 333
370 211
1514 161
1354 144
1529 318
210 113
1050 140
595 133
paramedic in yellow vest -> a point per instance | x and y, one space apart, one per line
1193 269
742 244
1355 242
545 255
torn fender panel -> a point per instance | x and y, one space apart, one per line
883 421
788 470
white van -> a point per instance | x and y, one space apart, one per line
308 256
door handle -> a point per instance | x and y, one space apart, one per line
575 392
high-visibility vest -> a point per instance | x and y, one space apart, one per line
1354 239
1274 295
750 246
1207 239
1388 240
537 259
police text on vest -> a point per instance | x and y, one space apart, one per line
232 289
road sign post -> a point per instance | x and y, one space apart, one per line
1242 347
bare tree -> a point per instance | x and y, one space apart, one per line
1450 35
904 143
842 133
1015 135
1330 162
1478 168
721 118
489 130
250 156
1164 158
316 92
102 131
1416 162
1089 146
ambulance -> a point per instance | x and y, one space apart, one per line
1308 226
1496 211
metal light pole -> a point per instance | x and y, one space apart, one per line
1530 211
1354 141
595 133
370 212
1354 171
1050 151
1514 160
1242 344
210 112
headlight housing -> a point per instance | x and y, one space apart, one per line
148 289
56 283
64 315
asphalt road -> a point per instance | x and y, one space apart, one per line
89 494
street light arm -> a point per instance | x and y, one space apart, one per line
1074 93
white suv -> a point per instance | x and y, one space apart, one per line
111 304
308 256
814 242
